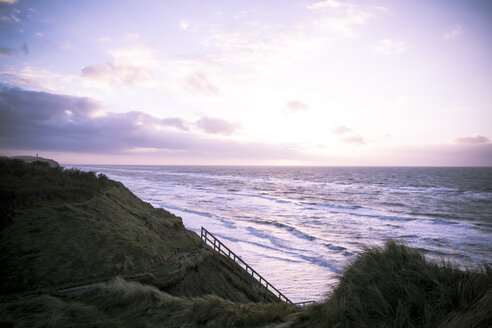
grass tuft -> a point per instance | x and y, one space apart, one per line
129 304
396 286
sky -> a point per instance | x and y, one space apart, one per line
291 82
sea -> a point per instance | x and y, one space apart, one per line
299 227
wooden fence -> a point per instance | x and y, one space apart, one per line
218 246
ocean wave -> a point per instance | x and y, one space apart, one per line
317 260
278 246
229 224
419 189
440 221
321 262
377 216
291 229
485 195
335 206
335 247
274 240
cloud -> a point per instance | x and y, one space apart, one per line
33 77
116 74
382 8
176 122
132 36
389 47
435 155
454 33
6 51
65 46
43 121
296 106
354 140
184 24
341 17
326 4
198 82
217 125
264 47
9 1
30 107
340 130
478 139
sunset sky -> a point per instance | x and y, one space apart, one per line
247 82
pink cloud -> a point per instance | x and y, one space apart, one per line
478 139
217 125
295 106
354 140
175 122
454 33
340 129
199 83
116 74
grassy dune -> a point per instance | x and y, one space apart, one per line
396 286
69 227
392 286
62 228
129 304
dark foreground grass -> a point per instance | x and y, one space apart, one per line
396 286
393 286
129 304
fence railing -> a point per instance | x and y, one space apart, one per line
222 249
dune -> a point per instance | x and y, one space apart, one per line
78 249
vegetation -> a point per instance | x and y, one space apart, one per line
129 304
396 286
164 278
68 227
23 184
38 182
393 286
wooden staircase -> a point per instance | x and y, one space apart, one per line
219 247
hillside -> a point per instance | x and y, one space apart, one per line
65 228
32 159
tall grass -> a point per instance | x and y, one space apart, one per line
129 304
396 286
23 184
392 286
68 227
